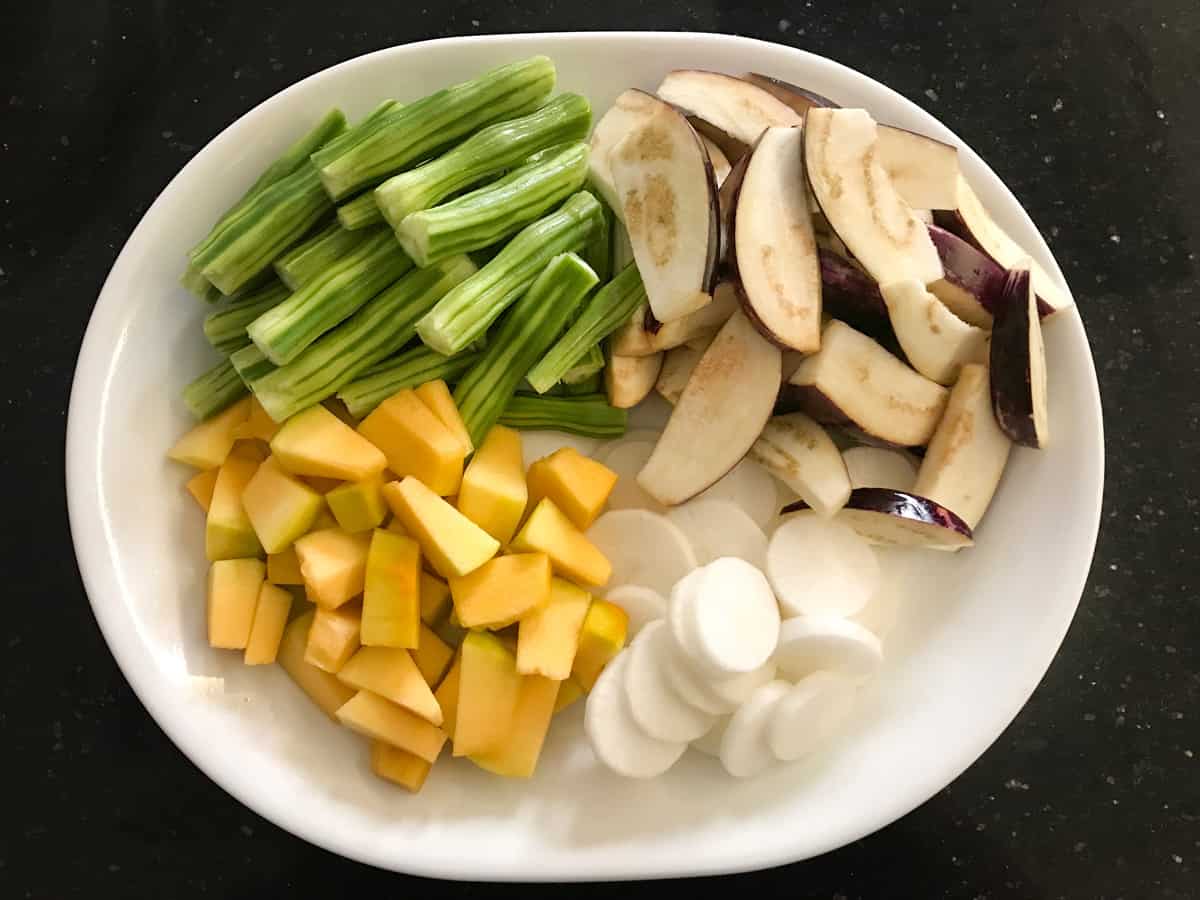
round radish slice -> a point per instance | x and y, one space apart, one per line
879 616
751 487
737 690
537 444
710 743
632 436
744 747
627 458
719 528
617 740
681 612
644 548
641 604
693 686
810 712
825 643
877 467
734 618
656 706
820 566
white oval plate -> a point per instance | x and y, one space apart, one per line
962 663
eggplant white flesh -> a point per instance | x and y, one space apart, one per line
801 100
857 197
669 204
642 335
629 110
720 414
734 108
897 518
852 380
717 159
677 368
924 170
1018 364
936 342
773 249
967 454
883 467
972 279
801 454
971 221
628 379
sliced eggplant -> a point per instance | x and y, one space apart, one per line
773 252
720 414
717 159
669 203
677 368
849 294
852 380
1018 363
885 516
936 342
967 454
972 222
629 379
643 335
857 197
801 100
629 110
971 282
924 170
801 454
728 110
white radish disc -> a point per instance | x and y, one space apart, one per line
656 706
538 444
627 458
744 747
644 548
880 615
813 710
641 604
751 487
615 737
735 618
820 566
878 467
737 690
710 743
719 528
632 436
693 686
681 612
826 643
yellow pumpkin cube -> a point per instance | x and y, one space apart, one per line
600 639
233 587
447 695
578 485
334 565
250 448
487 694
399 766
207 444
391 597
284 567
568 692
450 632
316 442
415 442
323 485
549 636
549 531
501 591
435 599
322 688
280 506
258 424
201 486
391 673
228 532
380 719
358 505
333 638
432 656
493 493
323 521
516 755
270 618
437 397
453 544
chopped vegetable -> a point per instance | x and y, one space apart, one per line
588 415
408 370
361 212
213 391
311 257
225 328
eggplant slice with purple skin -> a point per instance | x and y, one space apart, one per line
629 110
924 170
898 518
773 251
801 100
629 379
849 294
936 342
972 280
642 335
1018 364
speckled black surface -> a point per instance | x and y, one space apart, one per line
1089 112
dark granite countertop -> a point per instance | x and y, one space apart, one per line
1087 110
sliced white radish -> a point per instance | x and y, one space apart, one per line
717 528
968 452
694 686
655 705
810 644
628 379
884 516
716 158
800 453
681 613
745 750
669 205
632 436
752 488
923 170
859 200
537 444
627 458
676 370
642 605
617 740
733 108
820 566
1018 364
721 412
935 340
853 380
733 617
644 548
880 467
710 743
629 110
881 614
774 251
813 710
643 335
